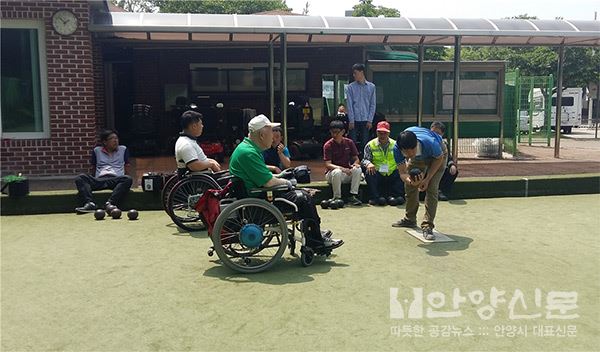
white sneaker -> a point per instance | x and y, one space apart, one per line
428 234
332 243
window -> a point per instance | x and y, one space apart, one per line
209 80
242 77
397 92
566 101
248 80
24 112
478 92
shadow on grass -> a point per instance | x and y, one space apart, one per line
182 232
441 249
457 202
287 271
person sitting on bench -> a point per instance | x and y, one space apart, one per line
110 162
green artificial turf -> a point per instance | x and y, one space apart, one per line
72 283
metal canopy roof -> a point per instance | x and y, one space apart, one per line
337 30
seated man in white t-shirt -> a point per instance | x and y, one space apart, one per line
188 154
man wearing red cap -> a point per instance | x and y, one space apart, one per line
381 174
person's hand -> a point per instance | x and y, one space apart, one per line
423 185
346 171
350 126
290 185
416 180
371 169
277 170
452 170
280 149
214 165
369 125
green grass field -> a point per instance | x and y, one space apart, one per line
72 283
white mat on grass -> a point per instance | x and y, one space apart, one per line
439 237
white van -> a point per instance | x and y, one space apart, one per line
537 120
572 103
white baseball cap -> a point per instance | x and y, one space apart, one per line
259 122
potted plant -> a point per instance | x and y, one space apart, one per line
18 185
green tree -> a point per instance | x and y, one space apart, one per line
365 8
220 6
136 5
582 65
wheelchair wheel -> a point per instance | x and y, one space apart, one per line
307 255
164 194
250 235
183 198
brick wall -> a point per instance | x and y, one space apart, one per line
71 80
99 94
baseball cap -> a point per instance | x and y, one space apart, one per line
259 122
383 126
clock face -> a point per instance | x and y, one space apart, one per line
64 22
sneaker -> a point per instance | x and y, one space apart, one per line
442 196
331 243
428 234
354 200
88 207
326 233
404 223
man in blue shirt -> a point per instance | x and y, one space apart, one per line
277 157
360 99
423 149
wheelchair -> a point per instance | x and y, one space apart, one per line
181 192
251 234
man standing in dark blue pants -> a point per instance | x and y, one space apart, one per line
360 99
383 179
109 162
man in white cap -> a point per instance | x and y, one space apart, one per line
247 163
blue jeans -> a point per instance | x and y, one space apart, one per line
384 186
360 135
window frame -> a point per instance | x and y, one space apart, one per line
40 26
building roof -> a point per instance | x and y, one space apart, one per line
340 30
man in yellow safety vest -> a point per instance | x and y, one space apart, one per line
381 174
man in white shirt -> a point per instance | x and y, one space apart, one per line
188 154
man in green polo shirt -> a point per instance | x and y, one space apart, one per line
248 164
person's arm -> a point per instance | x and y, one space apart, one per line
93 162
367 161
349 107
435 166
435 151
197 161
273 169
372 106
331 166
354 156
284 156
126 161
197 165
451 166
274 181
402 169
